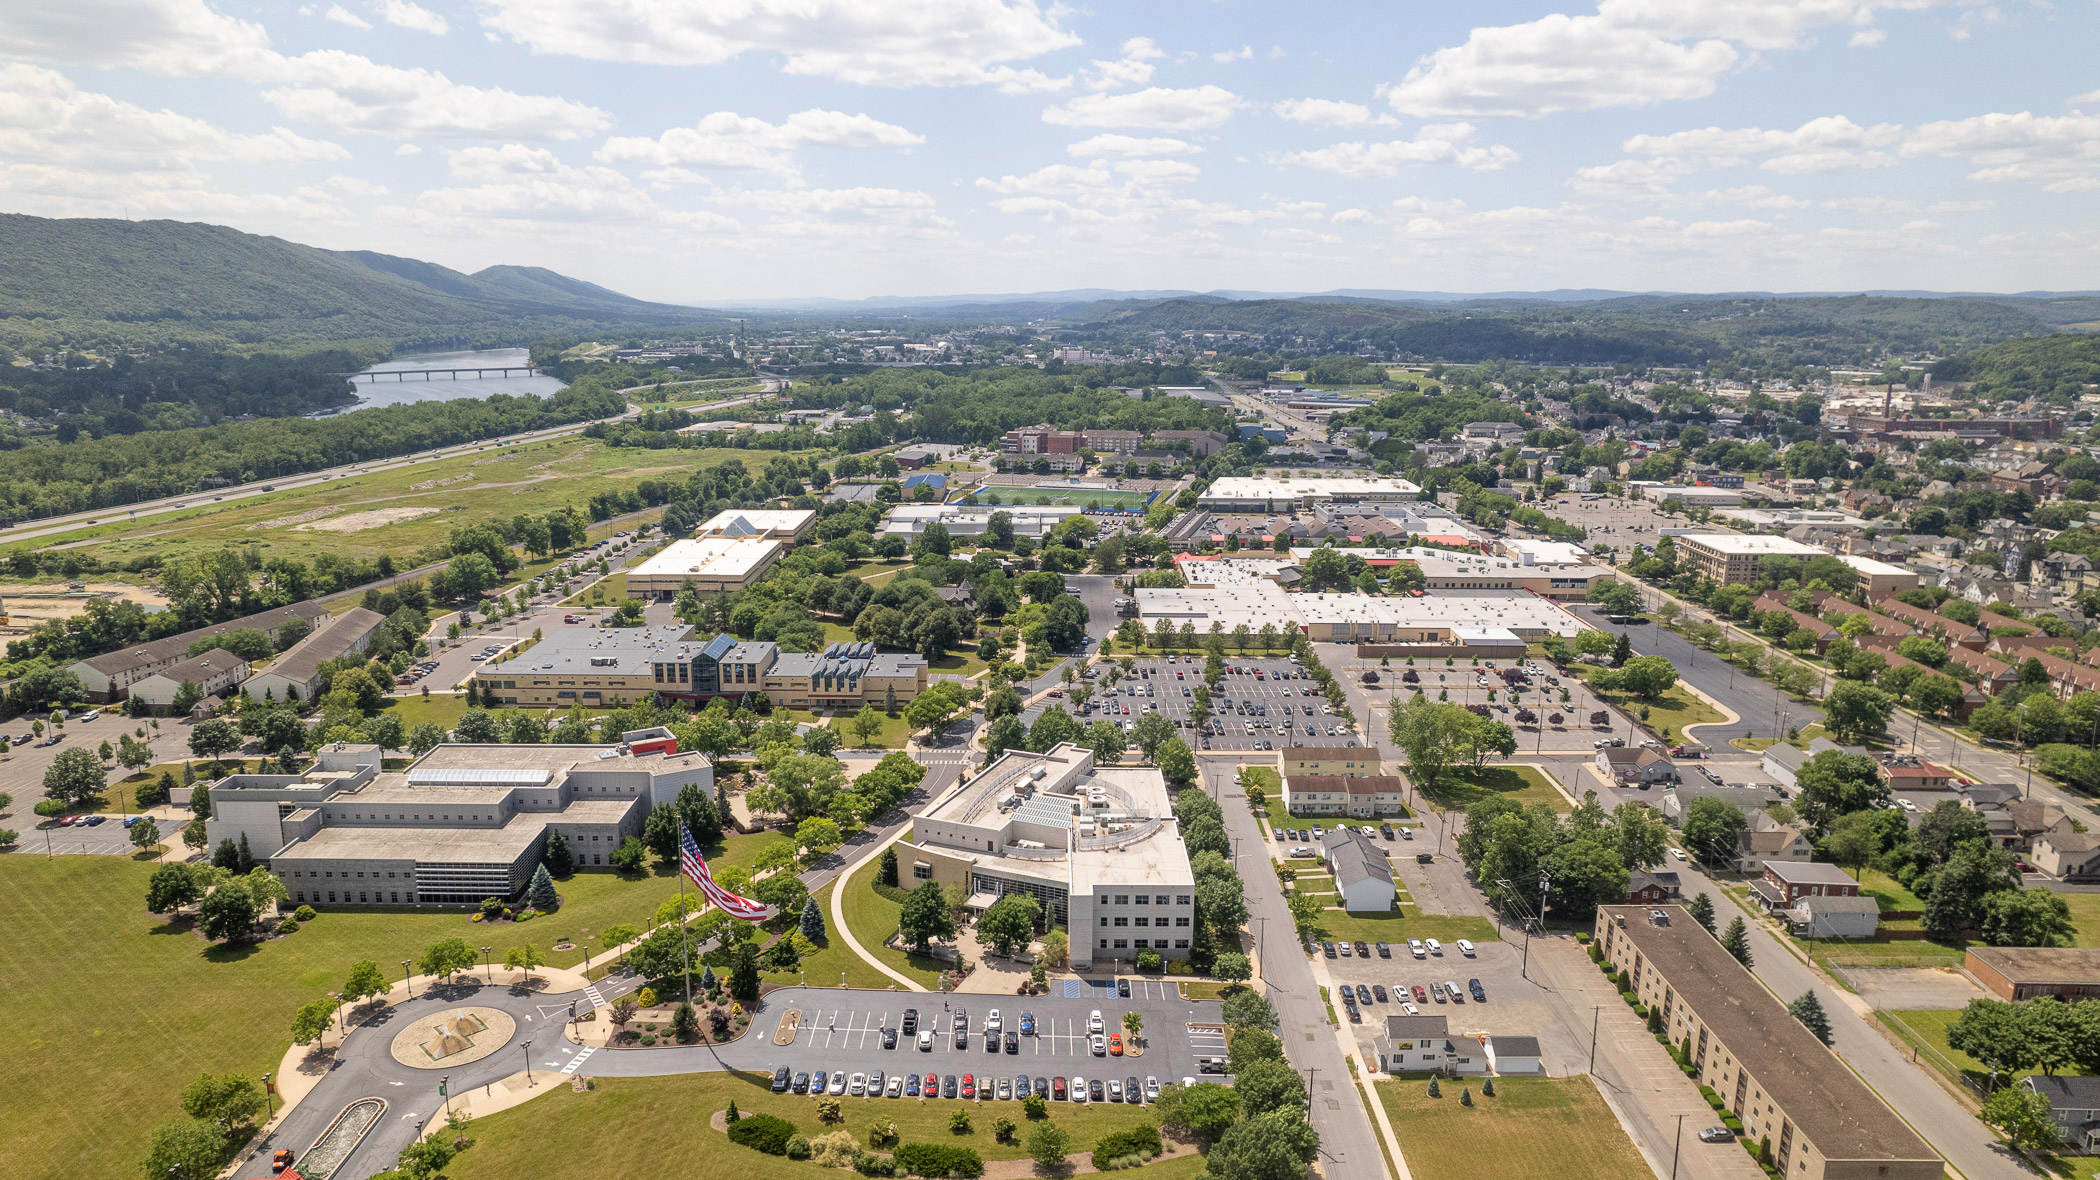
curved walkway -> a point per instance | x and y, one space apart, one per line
840 928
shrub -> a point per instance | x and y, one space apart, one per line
959 1121
835 1150
762 1132
883 1134
1034 1107
867 1163
305 913
828 1111
288 926
797 1147
1127 1148
940 1159
1712 1099
648 1038
1150 960
1004 1129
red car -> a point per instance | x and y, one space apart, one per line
932 1086
1421 996
969 1089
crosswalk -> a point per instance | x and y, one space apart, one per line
590 990
579 1059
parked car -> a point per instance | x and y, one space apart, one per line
1716 1135
1327 948
926 1041
1057 1088
1415 948
969 1086
1465 947
1479 993
782 1077
1385 951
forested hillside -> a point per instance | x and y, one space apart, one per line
2055 368
91 284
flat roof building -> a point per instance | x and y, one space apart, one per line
1097 847
1271 493
613 666
1033 521
1482 617
714 565
1823 1122
1444 569
1880 578
1734 557
2030 972
780 524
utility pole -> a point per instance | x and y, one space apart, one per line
1677 1149
1596 1011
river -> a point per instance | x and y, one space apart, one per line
389 391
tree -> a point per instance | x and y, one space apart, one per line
925 917
1854 840
1106 739
817 836
228 913
425 736
1267 1085
1808 1009
630 856
1833 784
171 887
1273 1146
1955 902
445 958
311 1019
1648 677
1009 924
1858 711
660 833
2026 917
145 835
886 868
1176 762
540 894
1432 736
867 724
1736 941
1048 1144
2023 1115
75 776
476 727
1702 911
743 972
1232 966
812 922
1207 1110
1056 944
524 958
1641 837
1711 827
212 739
559 860
190 1147
1249 1009
623 1012
1152 732
1996 1034
365 980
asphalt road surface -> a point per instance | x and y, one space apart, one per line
1760 706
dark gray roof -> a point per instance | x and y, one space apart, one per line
2066 1093
1514 1046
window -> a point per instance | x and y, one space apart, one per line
1122 899
1119 944
1122 921
921 871
1160 900
1144 921
1181 899
1181 944
1142 899
331 895
396 897
1181 921
1104 944
1104 919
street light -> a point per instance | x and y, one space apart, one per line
408 978
527 1046
486 966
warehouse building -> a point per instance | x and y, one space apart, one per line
1786 1087
1097 847
1444 569
714 565
1247 493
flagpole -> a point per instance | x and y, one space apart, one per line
685 939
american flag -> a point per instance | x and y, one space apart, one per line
696 867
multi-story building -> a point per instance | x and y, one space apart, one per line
712 565
109 677
1033 521
296 676
1097 847
1823 1122
1346 762
213 674
1491 620
1357 796
1734 557
614 666
461 824
1111 442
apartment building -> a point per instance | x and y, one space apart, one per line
109 677
1097 847
1330 760
296 676
1733 557
213 673
614 666
1823 1123
461 824
1357 796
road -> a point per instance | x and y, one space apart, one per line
1764 710
1348 1145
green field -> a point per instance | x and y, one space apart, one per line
1520 784
1555 1127
873 918
1077 497
1927 1027
834 963
496 483
1891 895
648 1128
129 1009
1402 923
2085 914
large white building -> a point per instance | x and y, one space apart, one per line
1097 847
780 524
970 520
721 564
1247 493
1490 617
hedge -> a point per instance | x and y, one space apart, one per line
940 1159
762 1132
1141 1140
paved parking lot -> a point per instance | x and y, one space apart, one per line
1613 521
842 1029
1515 1006
1270 711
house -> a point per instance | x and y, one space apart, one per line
1679 797
1823 631
1424 1044
1785 882
1833 916
1359 796
213 673
1908 772
1635 765
1766 839
1993 675
2074 1103
2030 972
1362 874
1783 762
296 676
1646 888
1513 1055
2027 820
2067 856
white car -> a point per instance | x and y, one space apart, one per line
1408 1006
925 1040
896 1087
857 1085
1415 948
991 1021
1465 948
1115 1090
1151 1088
1435 947
1677 854
1100 1044
1078 1088
1302 853
838 1084
1093 1021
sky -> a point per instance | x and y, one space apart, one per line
710 151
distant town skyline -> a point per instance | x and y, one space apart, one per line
694 152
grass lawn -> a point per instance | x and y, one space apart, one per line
610 590
1520 784
1555 1127
1668 714
147 1006
620 1131
1403 923
1081 497
445 708
958 663
823 968
1893 896
873 918
1906 953
1928 1027
891 737
2085 914
1204 989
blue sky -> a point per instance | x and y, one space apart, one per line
710 150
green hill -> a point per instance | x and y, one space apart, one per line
2058 369
89 282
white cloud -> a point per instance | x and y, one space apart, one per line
1628 53
848 217
46 118
925 43
1111 144
356 186
1354 217
339 90
1322 112
1133 69
1446 143
1228 56
1129 195
1156 109
2061 152
1819 145
408 15
1868 38
344 16
2087 99
727 141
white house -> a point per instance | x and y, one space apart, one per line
1514 1055
1361 873
1424 1044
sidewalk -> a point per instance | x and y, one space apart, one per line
845 932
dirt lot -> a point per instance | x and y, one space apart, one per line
29 605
